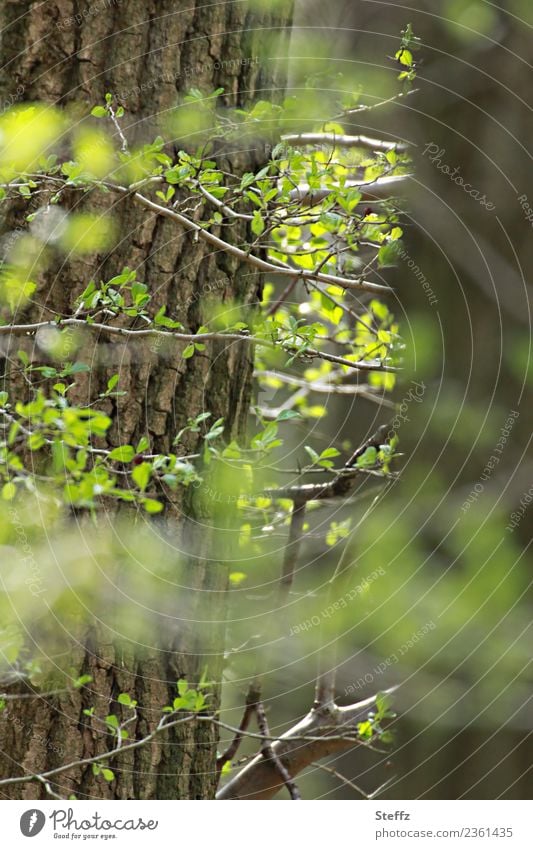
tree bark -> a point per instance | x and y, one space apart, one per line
144 53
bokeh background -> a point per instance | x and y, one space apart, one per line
439 591
449 621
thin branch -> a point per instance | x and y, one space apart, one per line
335 388
325 688
283 296
339 140
48 787
268 752
337 488
373 441
12 697
357 365
249 710
112 115
244 256
351 736
369 107
378 189
342 778
292 548
162 726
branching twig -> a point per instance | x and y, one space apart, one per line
245 256
319 734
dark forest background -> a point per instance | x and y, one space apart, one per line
465 692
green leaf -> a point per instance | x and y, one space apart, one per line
98 112
9 491
36 441
141 475
286 415
329 452
388 254
369 458
237 578
182 686
188 352
81 681
405 57
152 506
313 454
258 225
365 730
232 451
123 454
112 382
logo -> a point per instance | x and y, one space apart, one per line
32 822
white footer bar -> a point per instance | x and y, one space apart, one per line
269 825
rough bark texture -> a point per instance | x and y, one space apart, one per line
144 52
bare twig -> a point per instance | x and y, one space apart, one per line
311 353
340 140
249 709
292 548
163 725
342 778
283 296
325 688
268 752
378 189
114 119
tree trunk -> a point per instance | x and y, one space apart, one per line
143 53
